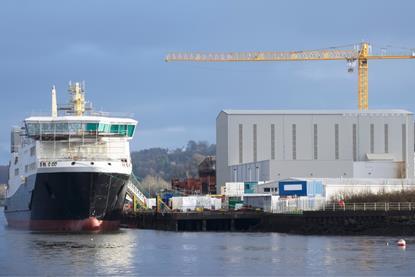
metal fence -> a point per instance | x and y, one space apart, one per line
295 206
375 206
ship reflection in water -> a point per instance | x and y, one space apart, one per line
85 253
145 252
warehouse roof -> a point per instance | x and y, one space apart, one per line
319 112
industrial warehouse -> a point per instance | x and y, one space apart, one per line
263 145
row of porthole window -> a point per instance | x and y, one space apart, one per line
92 163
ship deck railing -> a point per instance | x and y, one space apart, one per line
86 113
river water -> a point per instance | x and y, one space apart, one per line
144 252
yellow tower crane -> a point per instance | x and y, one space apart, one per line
360 54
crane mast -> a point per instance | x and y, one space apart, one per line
360 54
363 78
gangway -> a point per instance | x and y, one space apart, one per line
137 196
140 201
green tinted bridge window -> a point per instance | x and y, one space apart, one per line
91 127
130 129
104 128
122 130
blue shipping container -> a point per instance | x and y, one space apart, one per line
314 188
292 187
166 197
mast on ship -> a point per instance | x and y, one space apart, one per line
78 98
77 104
54 103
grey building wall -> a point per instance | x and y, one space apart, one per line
222 149
321 143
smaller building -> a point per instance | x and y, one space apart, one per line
205 184
264 202
207 175
188 186
270 187
338 188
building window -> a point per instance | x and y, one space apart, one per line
372 138
336 141
255 141
354 142
272 141
267 189
315 142
32 151
257 173
16 172
404 142
294 141
386 138
240 144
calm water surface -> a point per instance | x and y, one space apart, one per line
142 252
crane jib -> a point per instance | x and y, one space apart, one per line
360 55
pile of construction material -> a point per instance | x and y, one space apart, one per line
192 203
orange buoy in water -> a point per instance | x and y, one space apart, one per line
401 242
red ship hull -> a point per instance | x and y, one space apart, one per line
85 225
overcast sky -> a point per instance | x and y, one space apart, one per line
118 48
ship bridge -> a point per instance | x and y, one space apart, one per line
43 127
81 137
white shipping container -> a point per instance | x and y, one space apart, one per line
176 203
202 202
151 202
216 203
234 189
190 203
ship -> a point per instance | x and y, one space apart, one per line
69 170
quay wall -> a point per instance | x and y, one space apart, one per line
312 222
